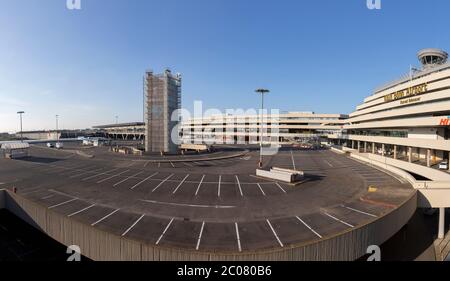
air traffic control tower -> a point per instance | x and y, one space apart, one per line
162 99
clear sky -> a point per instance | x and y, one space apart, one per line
316 55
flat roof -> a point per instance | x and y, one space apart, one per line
131 124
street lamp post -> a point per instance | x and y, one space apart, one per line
57 135
262 92
117 119
21 130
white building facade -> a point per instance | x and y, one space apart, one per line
247 128
406 120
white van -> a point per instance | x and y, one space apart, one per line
443 165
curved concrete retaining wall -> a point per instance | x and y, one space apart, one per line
424 171
99 245
432 194
2 198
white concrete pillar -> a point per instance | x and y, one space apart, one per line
359 146
365 147
373 148
409 154
382 149
428 157
441 233
395 152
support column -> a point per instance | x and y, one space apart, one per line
441 233
365 147
353 144
359 146
373 148
382 149
410 154
395 151
428 157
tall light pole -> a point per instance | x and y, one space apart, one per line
21 130
262 92
57 135
117 119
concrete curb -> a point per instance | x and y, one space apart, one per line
2 198
84 154
195 160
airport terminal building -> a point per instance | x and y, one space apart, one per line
246 129
406 121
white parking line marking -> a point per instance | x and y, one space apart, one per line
100 174
338 220
188 205
133 225
108 178
238 237
105 217
260 188
173 166
198 163
142 181
239 185
361 212
279 186
80 211
63 203
71 169
146 163
180 184
310 228
161 183
47 197
198 188
293 161
218 187
164 232
200 237
274 233
84 173
159 164
329 164
187 164
124 180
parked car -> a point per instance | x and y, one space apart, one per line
50 145
59 145
443 165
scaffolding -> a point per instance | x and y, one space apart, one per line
162 101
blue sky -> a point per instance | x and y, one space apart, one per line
316 55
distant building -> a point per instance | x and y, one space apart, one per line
122 131
162 97
53 135
245 129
